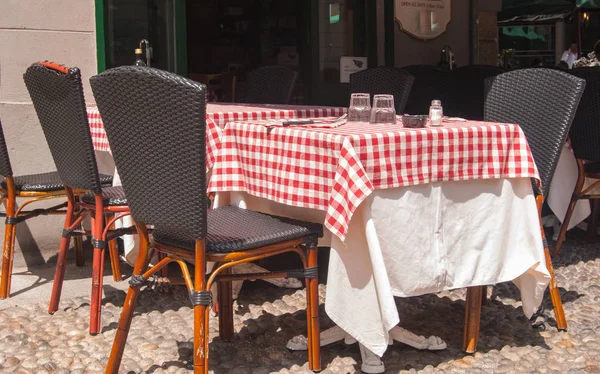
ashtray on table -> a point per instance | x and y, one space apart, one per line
414 121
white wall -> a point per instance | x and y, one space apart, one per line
33 30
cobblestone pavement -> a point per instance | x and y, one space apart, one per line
266 317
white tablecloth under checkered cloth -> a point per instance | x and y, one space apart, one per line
218 115
335 169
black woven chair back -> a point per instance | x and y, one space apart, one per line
270 85
430 84
156 122
470 90
5 166
57 95
585 131
384 80
543 103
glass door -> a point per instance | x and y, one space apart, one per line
122 24
339 28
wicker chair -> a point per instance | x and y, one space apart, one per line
543 102
585 141
36 187
270 85
57 95
168 160
384 80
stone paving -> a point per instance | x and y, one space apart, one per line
266 317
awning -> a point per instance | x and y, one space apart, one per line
534 19
532 8
588 4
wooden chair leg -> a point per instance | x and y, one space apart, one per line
559 313
61 262
7 252
484 297
96 294
113 252
201 312
593 223
79 253
472 319
118 347
312 315
164 272
225 309
563 228
561 321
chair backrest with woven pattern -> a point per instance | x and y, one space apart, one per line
156 122
57 95
543 103
5 166
270 85
384 80
585 131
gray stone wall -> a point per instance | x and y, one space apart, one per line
33 30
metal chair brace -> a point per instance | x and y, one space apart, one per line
201 298
137 281
308 273
97 243
30 214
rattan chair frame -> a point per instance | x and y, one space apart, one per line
40 79
538 84
189 97
13 215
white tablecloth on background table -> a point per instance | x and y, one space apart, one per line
423 239
561 189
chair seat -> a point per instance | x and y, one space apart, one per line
111 196
46 182
232 229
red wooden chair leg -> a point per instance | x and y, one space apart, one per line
312 315
61 262
118 347
8 251
472 318
225 309
79 253
559 313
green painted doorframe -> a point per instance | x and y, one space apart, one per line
100 36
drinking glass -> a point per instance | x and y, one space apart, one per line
383 109
360 107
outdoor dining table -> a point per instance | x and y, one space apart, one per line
408 211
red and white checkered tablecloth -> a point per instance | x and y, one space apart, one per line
335 169
218 115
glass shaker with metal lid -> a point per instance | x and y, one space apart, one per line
436 112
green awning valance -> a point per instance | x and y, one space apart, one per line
588 3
